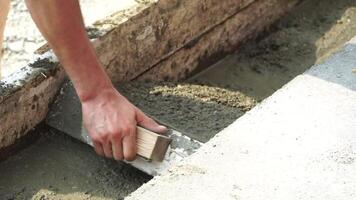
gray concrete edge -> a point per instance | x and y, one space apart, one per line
300 143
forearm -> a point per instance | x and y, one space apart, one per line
61 23
4 9
110 119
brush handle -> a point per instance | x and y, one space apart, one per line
150 145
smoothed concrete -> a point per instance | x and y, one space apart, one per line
300 143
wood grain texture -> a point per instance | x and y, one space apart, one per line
150 145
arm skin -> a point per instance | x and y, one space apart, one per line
4 10
108 116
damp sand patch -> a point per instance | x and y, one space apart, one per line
196 110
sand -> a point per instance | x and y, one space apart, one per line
195 110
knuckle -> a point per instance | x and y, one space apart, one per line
116 134
129 129
118 157
104 136
126 129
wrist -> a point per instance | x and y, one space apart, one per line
97 89
103 97
91 81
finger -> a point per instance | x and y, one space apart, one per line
108 149
129 144
98 148
148 123
117 148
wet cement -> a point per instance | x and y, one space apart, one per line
307 36
212 99
196 110
57 167
200 106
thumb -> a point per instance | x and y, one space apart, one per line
148 123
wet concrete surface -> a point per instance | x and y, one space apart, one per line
307 36
196 110
58 167
212 99
200 106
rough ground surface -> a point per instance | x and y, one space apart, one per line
201 106
22 37
302 149
56 167
307 36
214 98
196 110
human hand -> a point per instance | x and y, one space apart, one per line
109 118
111 122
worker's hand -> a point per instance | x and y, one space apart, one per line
109 118
111 122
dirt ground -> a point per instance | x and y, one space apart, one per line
57 168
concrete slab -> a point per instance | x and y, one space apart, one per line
300 143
